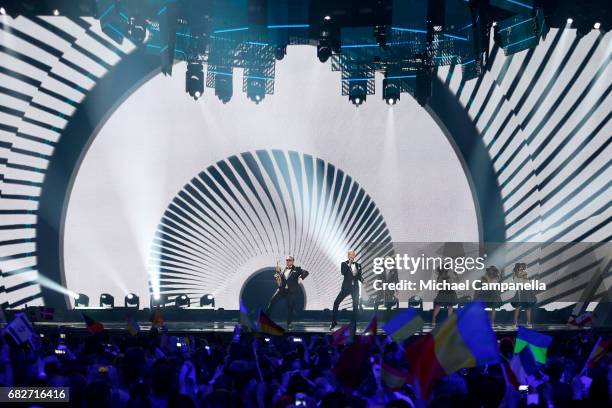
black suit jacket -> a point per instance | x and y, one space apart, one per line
291 283
350 280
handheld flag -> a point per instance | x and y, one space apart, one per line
93 326
352 365
157 320
267 325
537 342
601 348
132 326
245 319
372 327
394 378
343 335
20 329
464 340
403 325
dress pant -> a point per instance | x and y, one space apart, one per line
344 292
278 295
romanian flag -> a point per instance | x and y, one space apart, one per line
404 325
267 325
464 340
93 326
394 378
132 326
343 335
537 342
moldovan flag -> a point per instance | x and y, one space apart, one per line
403 325
93 326
464 340
394 378
343 335
537 342
267 325
132 326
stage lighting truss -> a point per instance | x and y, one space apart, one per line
521 31
223 36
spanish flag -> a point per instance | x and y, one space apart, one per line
464 340
267 325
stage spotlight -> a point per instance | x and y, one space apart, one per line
158 300
327 18
2 11
107 300
280 52
380 33
131 300
570 21
324 50
357 92
182 301
415 302
194 80
207 300
255 88
596 26
494 24
56 12
81 300
391 92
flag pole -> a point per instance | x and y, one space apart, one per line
586 363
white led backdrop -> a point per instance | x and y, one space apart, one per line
159 139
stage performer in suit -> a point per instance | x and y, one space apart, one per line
288 285
352 275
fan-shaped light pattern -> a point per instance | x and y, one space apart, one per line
544 115
252 209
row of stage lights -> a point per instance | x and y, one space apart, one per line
133 301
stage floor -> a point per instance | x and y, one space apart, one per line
310 327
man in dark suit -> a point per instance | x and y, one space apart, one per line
351 271
288 286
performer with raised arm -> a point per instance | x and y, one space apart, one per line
287 282
352 275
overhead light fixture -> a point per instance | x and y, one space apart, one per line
182 301
596 26
131 300
391 91
280 52
324 50
327 18
194 80
107 300
81 300
207 300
